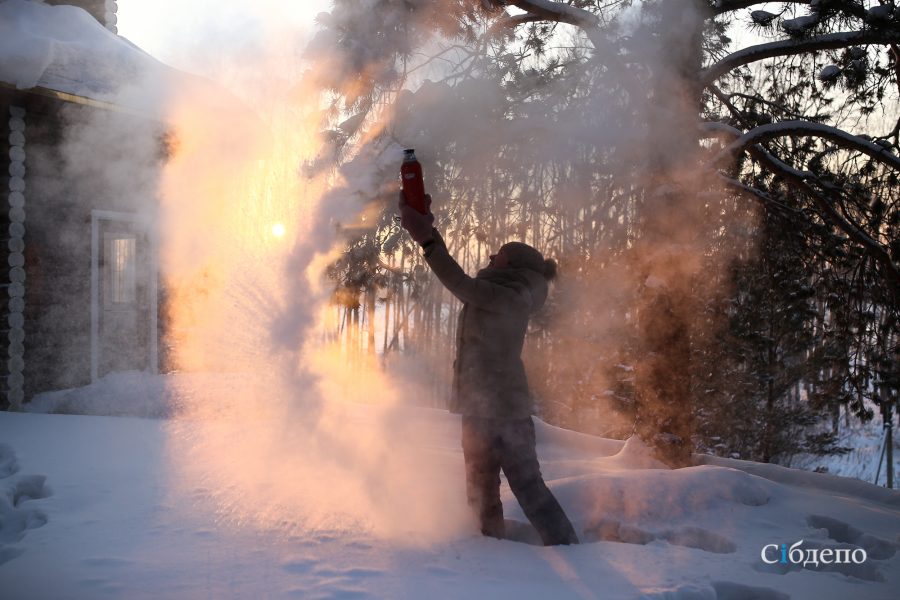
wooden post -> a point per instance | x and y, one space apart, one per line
888 414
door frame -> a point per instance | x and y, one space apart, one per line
153 268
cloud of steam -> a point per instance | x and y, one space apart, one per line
283 435
274 430
630 127
288 444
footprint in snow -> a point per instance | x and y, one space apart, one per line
841 536
350 573
300 566
317 582
717 590
329 594
611 530
105 562
8 464
847 537
839 531
16 517
305 565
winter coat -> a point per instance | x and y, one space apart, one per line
488 376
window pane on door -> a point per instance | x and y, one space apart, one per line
121 267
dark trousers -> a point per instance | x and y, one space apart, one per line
509 444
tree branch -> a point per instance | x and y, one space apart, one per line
559 12
773 105
516 20
800 180
790 175
771 131
723 6
547 10
895 53
759 195
791 47
719 129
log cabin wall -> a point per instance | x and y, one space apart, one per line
13 190
5 178
14 222
45 250
57 258
46 230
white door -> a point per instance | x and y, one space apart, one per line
123 286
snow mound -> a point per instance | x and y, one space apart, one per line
658 497
8 463
137 394
125 394
16 518
820 481
635 454
558 442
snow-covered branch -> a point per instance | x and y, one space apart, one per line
801 180
790 47
719 129
757 151
523 19
547 10
557 11
724 6
805 128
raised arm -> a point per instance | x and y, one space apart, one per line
484 294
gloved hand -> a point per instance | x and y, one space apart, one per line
418 225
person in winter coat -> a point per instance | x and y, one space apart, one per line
490 390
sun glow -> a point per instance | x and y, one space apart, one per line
241 182
271 422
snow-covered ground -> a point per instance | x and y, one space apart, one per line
126 507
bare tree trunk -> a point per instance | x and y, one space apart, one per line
370 321
387 321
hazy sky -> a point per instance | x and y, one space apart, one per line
198 34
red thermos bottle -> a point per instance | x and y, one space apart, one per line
412 181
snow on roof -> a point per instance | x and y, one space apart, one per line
63 48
